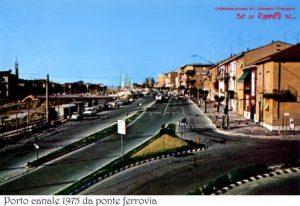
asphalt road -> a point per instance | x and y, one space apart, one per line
55 175
180 175
14 158
285 184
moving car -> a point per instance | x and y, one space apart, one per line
159 98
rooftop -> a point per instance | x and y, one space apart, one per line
224 61
290 54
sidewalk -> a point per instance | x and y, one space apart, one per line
240 126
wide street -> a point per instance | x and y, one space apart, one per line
180 175
13 158
173 175
57 174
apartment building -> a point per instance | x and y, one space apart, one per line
273 83
191 76
231 77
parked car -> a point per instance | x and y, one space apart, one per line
112 105
120 102
131 100
181 97
89 112
76 116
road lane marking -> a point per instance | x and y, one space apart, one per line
182 108
166 107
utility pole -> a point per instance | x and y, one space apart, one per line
226 108
47 98
27 123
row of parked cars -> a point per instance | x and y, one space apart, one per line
92 111
161 97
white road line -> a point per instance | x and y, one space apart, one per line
182 108
166 106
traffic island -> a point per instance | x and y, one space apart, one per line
81 143
146 152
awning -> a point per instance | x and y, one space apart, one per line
243 77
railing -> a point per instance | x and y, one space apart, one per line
292 90
17 134
286 95
190 72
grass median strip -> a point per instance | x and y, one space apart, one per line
130 158
81 143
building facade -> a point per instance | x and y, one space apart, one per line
231 77
275 86
192 76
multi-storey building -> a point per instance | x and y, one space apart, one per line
273 83
191 76
8 85
170 80
231 77
161 81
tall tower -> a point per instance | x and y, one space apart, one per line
17 68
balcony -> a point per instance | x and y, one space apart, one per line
287 95
216 85
190 72
192 81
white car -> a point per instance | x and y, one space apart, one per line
112 105
89 112
158 98
120 102
76 116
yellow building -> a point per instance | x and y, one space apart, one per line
245 91
170 80
191 76
277 89
230 76
211 83
161 82
166 80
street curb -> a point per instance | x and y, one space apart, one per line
211 123
236 134
260 137
277 172
164 156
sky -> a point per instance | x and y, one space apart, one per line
98 41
